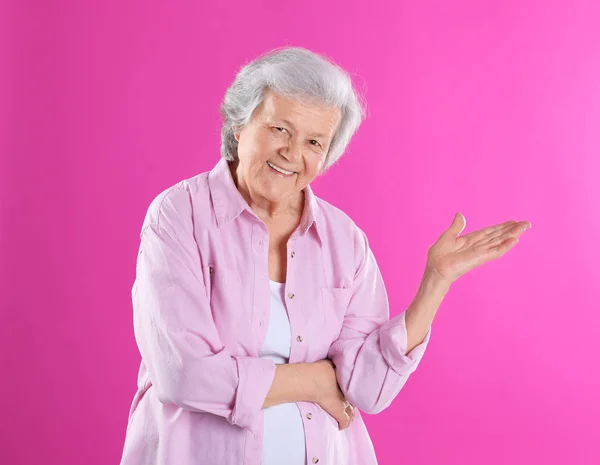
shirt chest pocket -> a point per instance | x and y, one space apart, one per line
335 303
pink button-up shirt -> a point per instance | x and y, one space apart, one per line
201 312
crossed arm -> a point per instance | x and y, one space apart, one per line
190 367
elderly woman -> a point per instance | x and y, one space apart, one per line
259 310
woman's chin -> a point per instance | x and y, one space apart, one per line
275 193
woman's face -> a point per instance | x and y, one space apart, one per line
286 134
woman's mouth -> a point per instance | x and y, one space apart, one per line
279 170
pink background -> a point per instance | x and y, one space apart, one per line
487 108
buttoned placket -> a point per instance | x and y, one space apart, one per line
299 340
293 302
293 305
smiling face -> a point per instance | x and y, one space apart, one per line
283 135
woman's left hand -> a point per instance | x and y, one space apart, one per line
452 256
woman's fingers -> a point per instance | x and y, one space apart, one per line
500 249
346 420
349 414
504 234
498 227
476 237
499 235
353 412
510 230
487 234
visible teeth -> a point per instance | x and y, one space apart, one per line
281 170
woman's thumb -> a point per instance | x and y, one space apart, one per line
458 224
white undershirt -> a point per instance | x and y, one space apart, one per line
283 441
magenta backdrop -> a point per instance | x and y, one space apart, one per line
487 108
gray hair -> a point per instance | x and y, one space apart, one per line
298 73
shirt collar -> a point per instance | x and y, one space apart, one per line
228 202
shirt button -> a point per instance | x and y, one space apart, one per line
293 254
290 295
315 459
299 338
211 270
309 415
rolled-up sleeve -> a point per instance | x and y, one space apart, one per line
179 343
370 355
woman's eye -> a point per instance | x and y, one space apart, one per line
316 142
278 129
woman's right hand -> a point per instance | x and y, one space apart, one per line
329 396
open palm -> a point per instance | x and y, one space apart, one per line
452 256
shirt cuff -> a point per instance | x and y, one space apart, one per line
393 340
256 376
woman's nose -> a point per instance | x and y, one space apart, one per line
293 152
